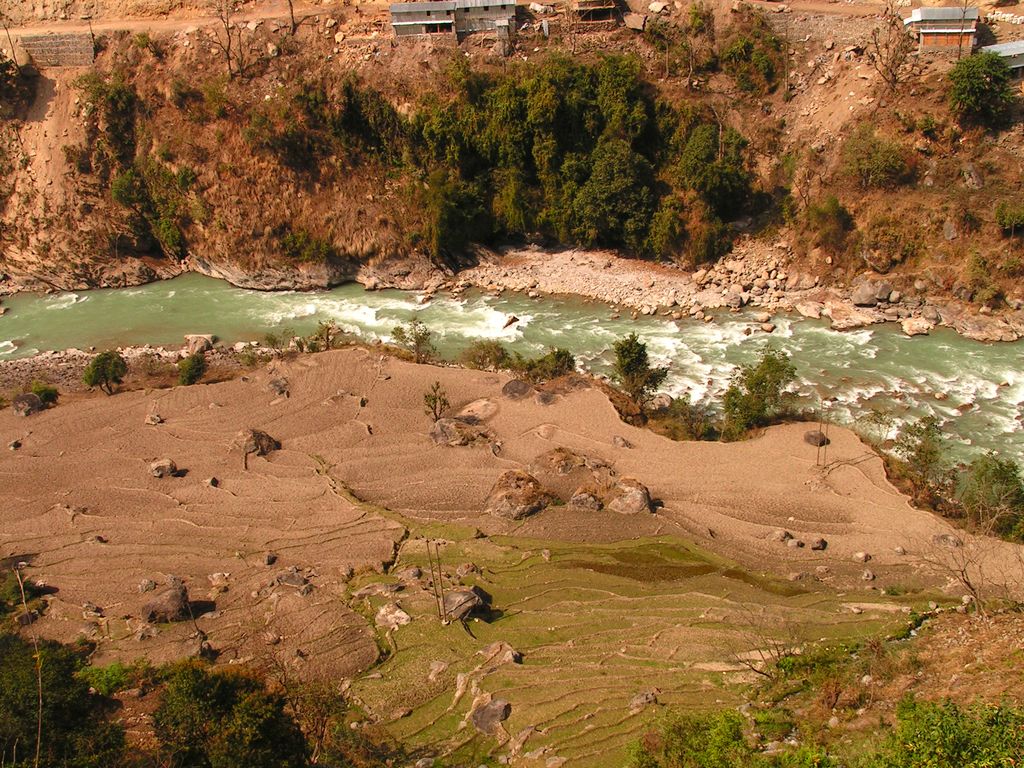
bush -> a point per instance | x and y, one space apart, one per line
191 369
991 493
555 363
435 401
75 731
754 397
695 741
300 245
415 336
105 371
830 224
213 719
44 392
874 162
634 372
115 677
686 420
1010 217
487 355
921 447
945 734
982 90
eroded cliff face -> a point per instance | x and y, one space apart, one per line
159 113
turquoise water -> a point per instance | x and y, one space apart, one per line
877 367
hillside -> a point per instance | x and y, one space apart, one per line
314 163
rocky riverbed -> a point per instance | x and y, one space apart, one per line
753 278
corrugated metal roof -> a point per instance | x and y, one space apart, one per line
943 14
430 5
1016 48
482 3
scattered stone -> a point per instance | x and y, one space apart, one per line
437 668
212 482
456 432
584 498
14 445
899 550
947 540
269 558
147 585
169 605
916 326
146 632
153 419
819 545
291 578
780 535
631 497
816 438
163 468
499 653
861 557
271 638
868 575
620 442
412 573
795 544
278 387
515 495
487 717
465 569
256 442
516 389
660 403
198 342
390 616
643 700
27 403
864 295
377 589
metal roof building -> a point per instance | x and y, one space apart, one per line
1011 53
460 17
947 28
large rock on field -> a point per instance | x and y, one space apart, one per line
253 441
457 432
163 468
199 342
515 495
488 716
460 603
864 295
26 404
169 605
630 497
816 438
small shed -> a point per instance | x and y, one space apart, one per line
1012 54
484 15
944 29
425 18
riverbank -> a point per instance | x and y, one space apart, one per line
754 277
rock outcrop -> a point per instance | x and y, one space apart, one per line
515 495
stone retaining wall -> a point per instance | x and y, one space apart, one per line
59 50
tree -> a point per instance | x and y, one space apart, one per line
214 719
231 44
982 90
191 369
295 23
756 392
105 371
990 490
920 445
893 50
74 731
45 392
634 372
415 336
435 401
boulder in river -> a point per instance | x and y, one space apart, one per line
515 495
864 295
199 342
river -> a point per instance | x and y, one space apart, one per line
877 368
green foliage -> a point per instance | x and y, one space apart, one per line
554 363
831 224
10 595
633 370
105 371
301 245
455 214
487 355
873 162
116 677
695 741
45 392
711 163
991 493
982 91
938 735
978 276
75 732
921 447
214 719
686 420
160 199
16 88
191 369
415 336
752 54
1010 216
115 101
892 240
755 395
435 401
